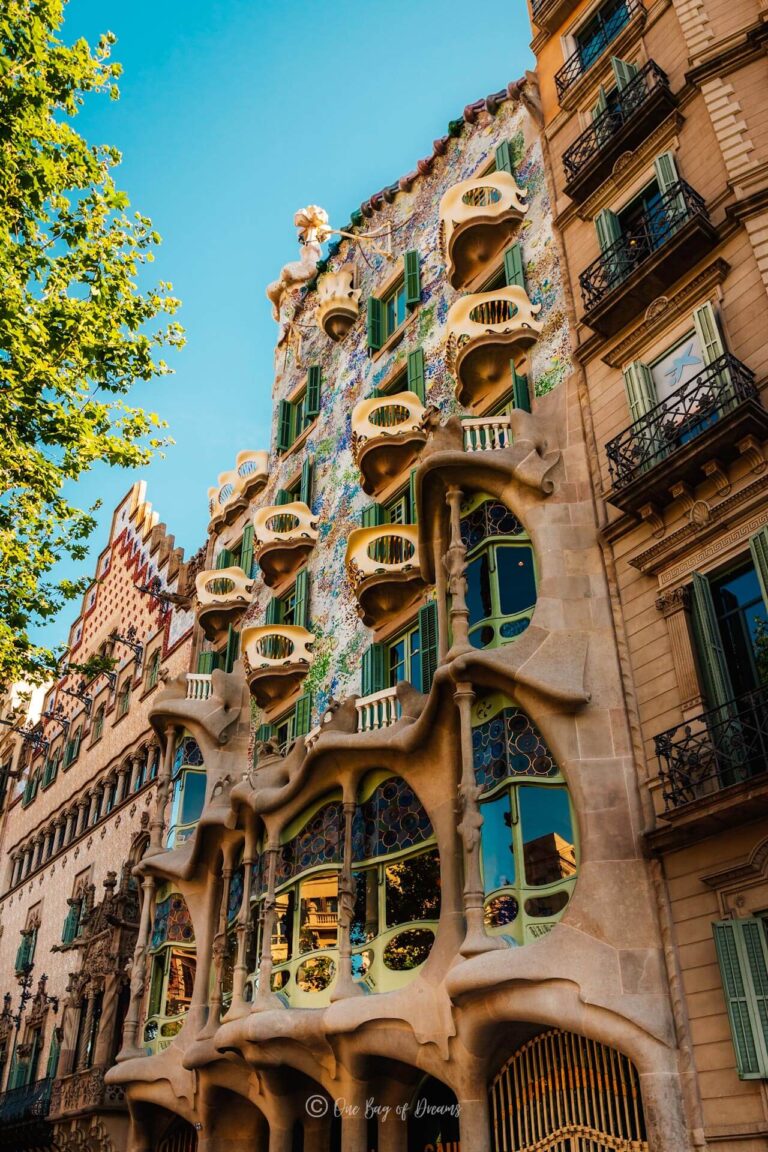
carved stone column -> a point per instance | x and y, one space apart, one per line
81 1056
265 997
345 984
243 930
675 605
163 788
59 825
469 827
15 869
455 563
136 763
138 977
123 783
153 760
37 854
219 948
83 805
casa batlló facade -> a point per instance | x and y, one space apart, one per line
395 878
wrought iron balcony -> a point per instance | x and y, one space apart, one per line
718 750
478 220
641 264
30 1102
580 61
636 110
388 433
704 419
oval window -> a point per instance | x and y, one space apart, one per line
391 550
282 522
408 949
220 586
389 415
274 647
481 197
315 974
546 905
280 979
500 911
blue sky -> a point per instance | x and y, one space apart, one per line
232 115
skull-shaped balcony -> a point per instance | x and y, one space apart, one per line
486 331
252 471
225 499
223 594
338 303
383 565
387 435
276 658
478 219
284 535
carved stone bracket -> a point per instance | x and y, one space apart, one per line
684 493
650 513
752 451
714 470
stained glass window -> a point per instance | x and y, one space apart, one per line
509 745
235 894
318 842
172 923
491 518
188 754
391 820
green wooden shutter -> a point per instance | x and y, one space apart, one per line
413 512
708 331
514 272
602 103
282 496
608 228
504 158
233 647
272 614
373 516
521 397
302 599
284 414
53 1055
666 171
428 635
743 959
416 373
412 278
303 714
717 678
305 486
314 385
205 663
224 558
374 669
758 546
374 323
264 732
246 551
71 923
623 71
641 390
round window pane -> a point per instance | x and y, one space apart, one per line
408 949
315 974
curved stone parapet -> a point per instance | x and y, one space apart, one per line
384 567
223 594
338 303
276 657
252 470
387 435
485 331
284 535
478 219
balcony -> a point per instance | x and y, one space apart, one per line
226 499
549 15
704 420
640 266
639 108
23 1116
223 594
383 565
85 1091
252 470
338 303
284 535
159 1032
485 331
198 685
277 658
587 55
486 433
379 710
478 220
387 435
713 770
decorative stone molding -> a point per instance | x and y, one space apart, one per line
478 218
631 164
383 566
729 125
83 1091
338 303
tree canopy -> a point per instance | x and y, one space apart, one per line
77 328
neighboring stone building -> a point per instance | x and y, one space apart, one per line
404 860
656 119
74 828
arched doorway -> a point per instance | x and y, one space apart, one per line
433 1118
565 1093
180 1137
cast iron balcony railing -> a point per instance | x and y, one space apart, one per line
29 1102
720 748
608 129
679 419
588 54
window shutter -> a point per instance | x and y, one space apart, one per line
758 546
303 714
413 513
302 599
272 614
374 669
513 266
641 390
305 487
666 171
504 158
314 385
416 373
521 397
602 103
743 959
608 228
224 558
246 551
412 278
623 71
374 323
717 678
428 635
282 496
373 516
233 648
264 732
284 413
205 663
708 331
53 1056
71 923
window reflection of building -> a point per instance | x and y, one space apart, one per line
174 963
188 784
501 577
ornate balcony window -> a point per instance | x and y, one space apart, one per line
284 535
277 658
383 565
705 419
223 594
387 435
252 470
338 303
631 112
664 240
594 39
478 219
486 330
